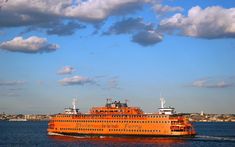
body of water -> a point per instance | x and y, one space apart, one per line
35 134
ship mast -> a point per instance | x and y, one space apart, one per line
74 106
162 102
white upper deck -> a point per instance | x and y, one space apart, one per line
165 110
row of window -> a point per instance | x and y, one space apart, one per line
115 116
140 116
130 130
81 129
109 110
110 130
111 121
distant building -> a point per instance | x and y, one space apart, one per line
202 113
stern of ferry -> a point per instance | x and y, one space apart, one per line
180 126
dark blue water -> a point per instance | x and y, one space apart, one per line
35 134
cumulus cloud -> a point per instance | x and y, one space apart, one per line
128 26
76 80
98 10
50 15
12 82
30 12
66 70
142 33
211 22
64 17
32 44
211 83
147 38
164 9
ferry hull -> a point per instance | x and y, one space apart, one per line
153 125
120 135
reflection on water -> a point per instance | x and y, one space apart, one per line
121 140
144 141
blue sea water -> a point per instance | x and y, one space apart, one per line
35 134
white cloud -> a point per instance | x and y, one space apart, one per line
66 70
163 9
211 22
97 10
48 16
211 83
199 83
76 80
32 44
29 12
12 82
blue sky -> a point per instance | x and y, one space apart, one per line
53 51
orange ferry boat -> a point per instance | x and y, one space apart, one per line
118 119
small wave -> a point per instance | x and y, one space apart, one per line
214 138
58 134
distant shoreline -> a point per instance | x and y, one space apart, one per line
193 117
